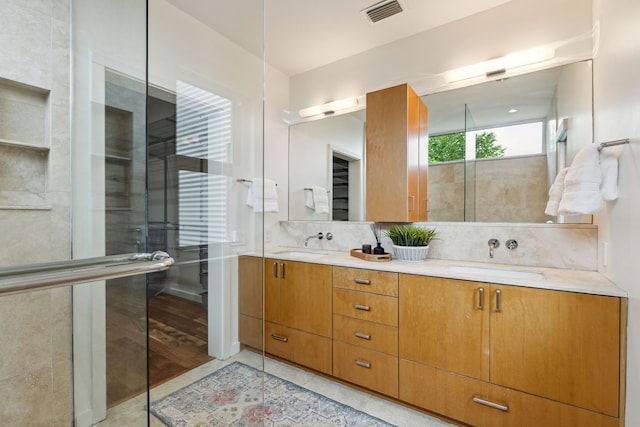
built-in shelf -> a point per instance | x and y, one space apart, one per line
23 145
340 193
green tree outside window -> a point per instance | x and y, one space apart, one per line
450 147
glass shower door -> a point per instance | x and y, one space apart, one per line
108 162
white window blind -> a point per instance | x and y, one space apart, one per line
203 147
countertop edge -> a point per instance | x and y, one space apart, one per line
579 281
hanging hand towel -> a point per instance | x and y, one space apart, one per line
582 184
555 193
317 198
609 169
308 198
263 195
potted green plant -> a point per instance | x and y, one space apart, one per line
410 242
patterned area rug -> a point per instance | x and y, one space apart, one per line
232 396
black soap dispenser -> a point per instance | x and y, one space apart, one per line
378 250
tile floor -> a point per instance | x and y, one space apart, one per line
132 413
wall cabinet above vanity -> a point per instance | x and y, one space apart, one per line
396 155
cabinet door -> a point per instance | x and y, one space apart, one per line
250 301
250 286
444 323
272 290
423 159
560 345
305 297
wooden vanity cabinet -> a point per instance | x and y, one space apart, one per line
298 301
396 151
365 328
445 324
496 355
250 301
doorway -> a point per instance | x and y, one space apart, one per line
178 298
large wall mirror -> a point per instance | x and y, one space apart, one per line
493 150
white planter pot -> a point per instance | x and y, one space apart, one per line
410 253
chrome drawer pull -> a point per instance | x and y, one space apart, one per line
275 270
363 336
362 281
362 307
490 404
279 338
481 298
363 364
498 300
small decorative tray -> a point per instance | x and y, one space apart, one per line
370 257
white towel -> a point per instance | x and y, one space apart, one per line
555 193
609 169
308 198
263 195
581 194
317 198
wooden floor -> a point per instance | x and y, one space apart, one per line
177 337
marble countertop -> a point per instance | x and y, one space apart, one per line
589 282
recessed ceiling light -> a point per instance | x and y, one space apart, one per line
513 110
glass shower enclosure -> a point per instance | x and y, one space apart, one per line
87 172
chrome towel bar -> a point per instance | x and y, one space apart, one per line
62 273
612 143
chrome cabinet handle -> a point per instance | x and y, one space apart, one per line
361 307
481 298
363 336
498 300
362 281
363 364
279 338
275 270
282 270
490 404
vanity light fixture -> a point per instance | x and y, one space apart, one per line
329 108
501 65
513 110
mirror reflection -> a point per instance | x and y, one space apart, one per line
493 150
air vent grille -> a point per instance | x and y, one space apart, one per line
383 10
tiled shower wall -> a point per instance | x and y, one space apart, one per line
35 361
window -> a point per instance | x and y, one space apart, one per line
503 141
203 148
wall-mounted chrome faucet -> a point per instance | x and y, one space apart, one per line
318 236
493 243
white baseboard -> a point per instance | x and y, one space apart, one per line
182 294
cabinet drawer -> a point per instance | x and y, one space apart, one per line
370 369
365 334
363 305
377 282
250 331
453 395
299 347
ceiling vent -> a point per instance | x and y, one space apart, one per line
383 10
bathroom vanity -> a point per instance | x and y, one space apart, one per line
483 346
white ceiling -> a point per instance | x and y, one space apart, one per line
302 35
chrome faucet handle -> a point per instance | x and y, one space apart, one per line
329 236
512 244
493 243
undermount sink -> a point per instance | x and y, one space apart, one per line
496 272
302 254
